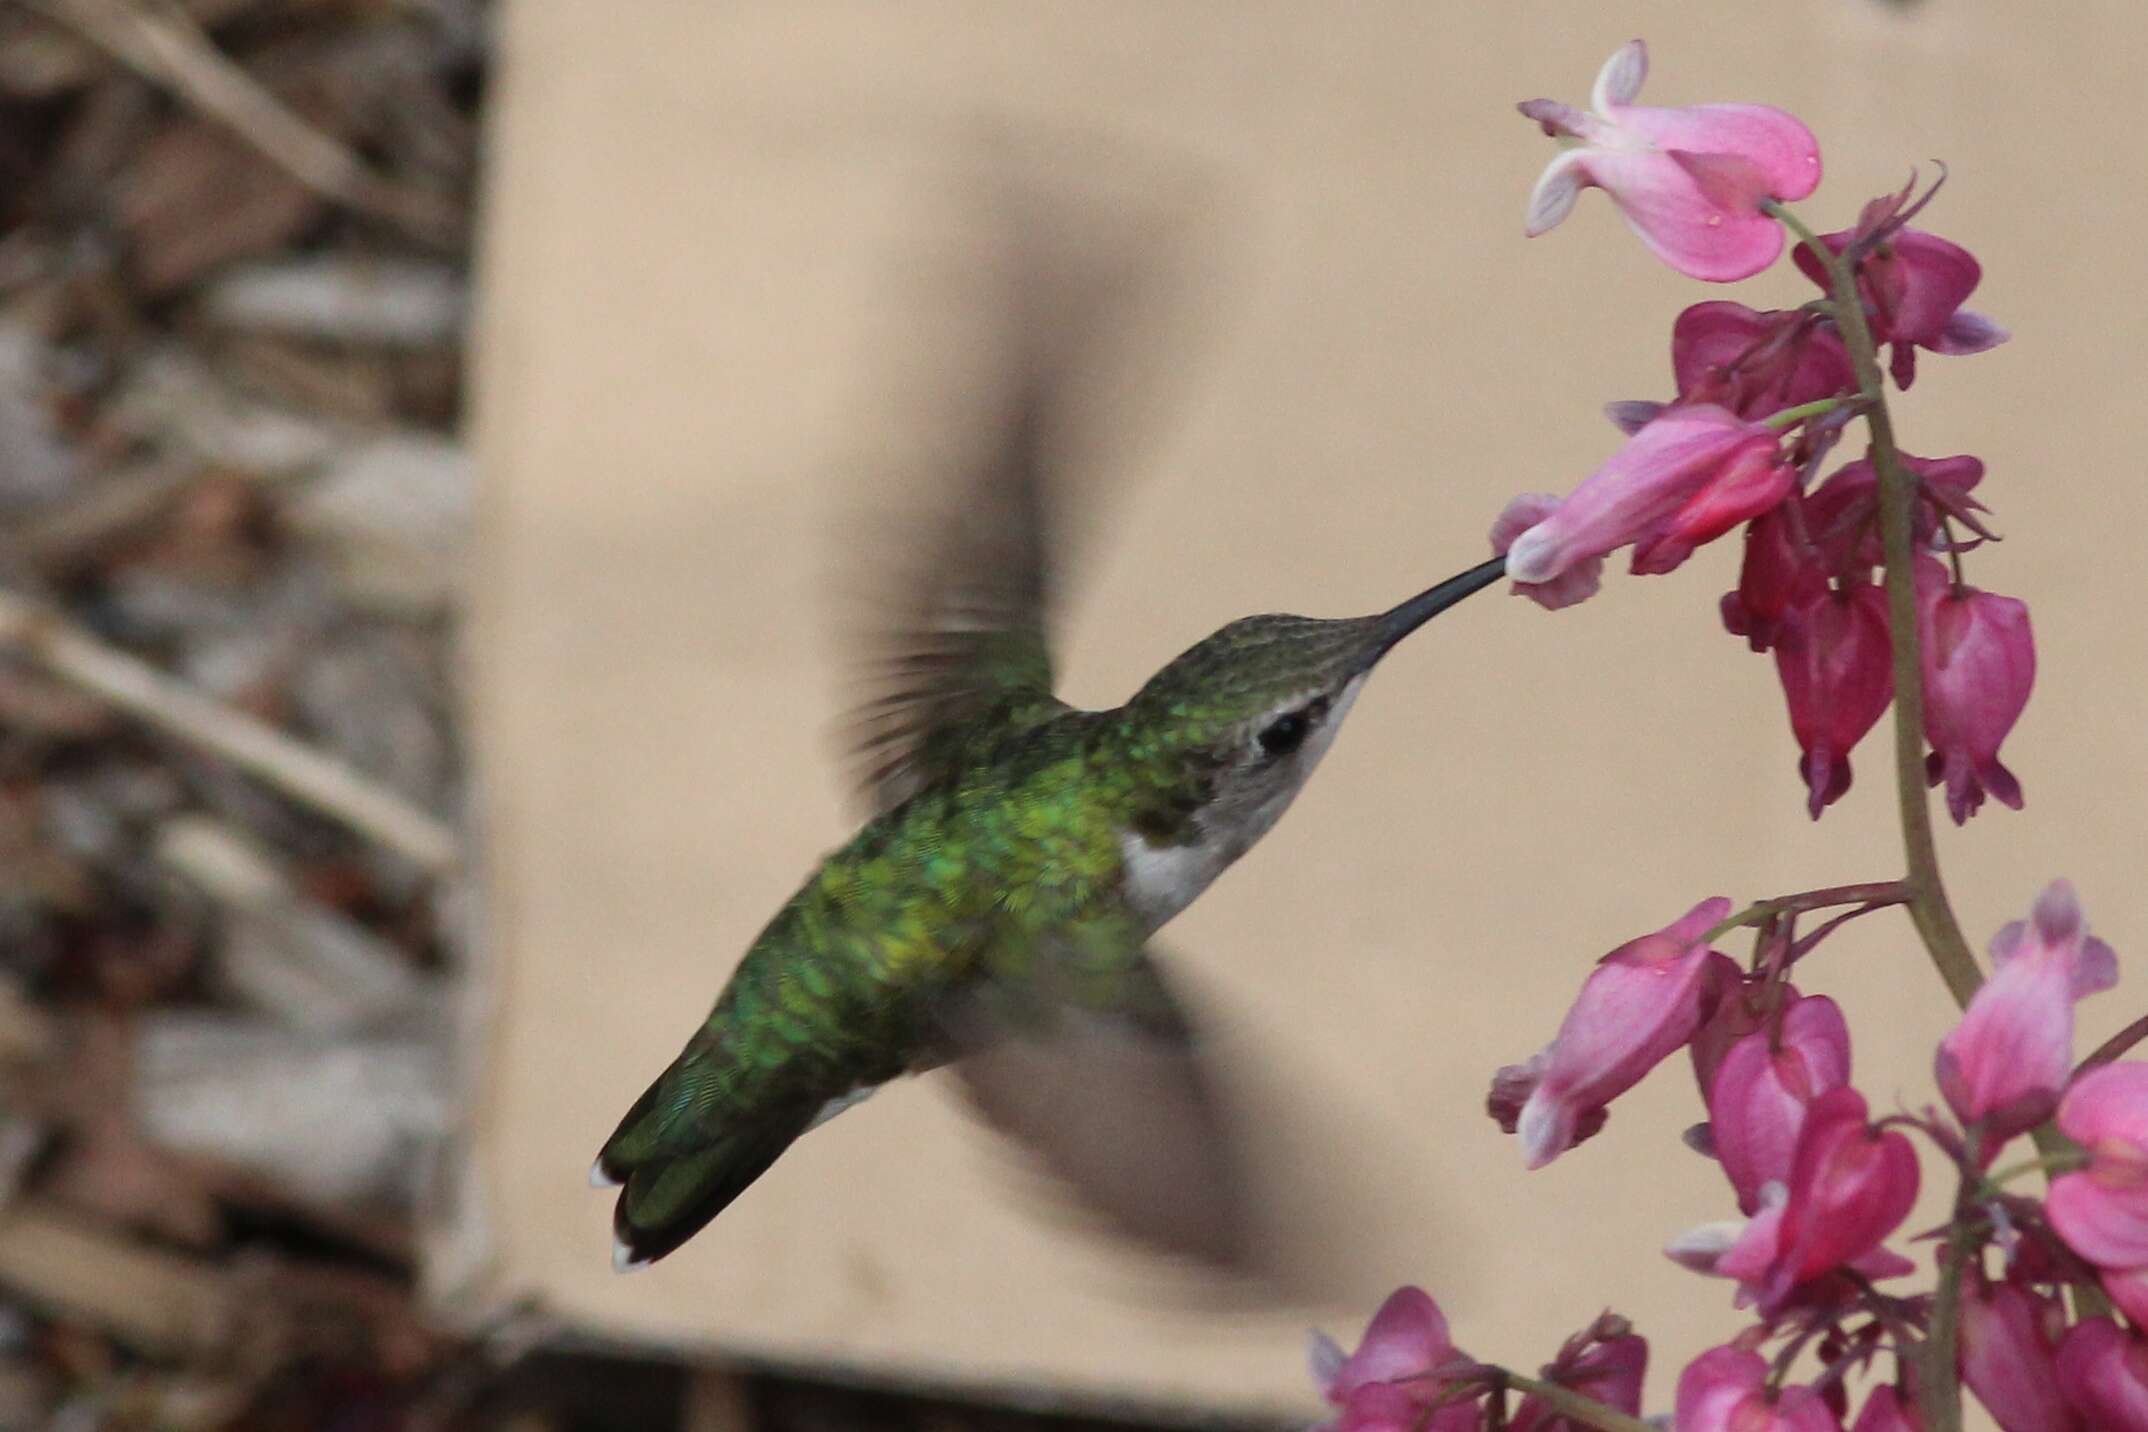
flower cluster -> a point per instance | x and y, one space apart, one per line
1762 398
1821 1186
2040 1306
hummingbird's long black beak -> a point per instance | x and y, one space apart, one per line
1393 625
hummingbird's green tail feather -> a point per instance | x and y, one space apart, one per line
666 1198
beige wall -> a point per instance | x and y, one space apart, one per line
689 350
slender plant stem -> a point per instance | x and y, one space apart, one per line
1939 1389
1928 907
1571 1404
1790 417
2116 1046
1879 892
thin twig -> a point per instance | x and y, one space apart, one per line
1573 1406
296 769
2116 1046
163 43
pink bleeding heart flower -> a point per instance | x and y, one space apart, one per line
1725 1390
1979 662
1850 1186
1913 285
1758 1103
1835 660
1641 1004
2004 1065
1756 363
1606 1362
2103 1371
1690 181
1778 569
2102 1210
1684 479
2009 1340
1577 583
1888 1409
1747 1250
1842 513
1403 1365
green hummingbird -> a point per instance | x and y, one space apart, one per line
995 913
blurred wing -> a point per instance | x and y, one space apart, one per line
968 645
1106 1088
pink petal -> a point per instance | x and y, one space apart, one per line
1967 333
1937 275
1406 1338
1668 208
2108 1227
2104 1372
2108 1102
1780 147
2128 1287
1577 583
1755 482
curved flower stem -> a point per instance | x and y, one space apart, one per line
2116 1046
1928 907
1939 1386
1879 892
1790 417
2056 1163
1572 1405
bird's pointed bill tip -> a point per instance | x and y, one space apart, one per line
624 1259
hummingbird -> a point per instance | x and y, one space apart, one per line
995 913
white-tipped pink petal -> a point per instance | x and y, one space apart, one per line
1780 148
1556 189
1620 80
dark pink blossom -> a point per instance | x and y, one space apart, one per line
1403 1365
1641 1004
1979 662
2103 1371
1835 660
2128 1287
2102 1210
1725 1390
1684 479
1888 1409
1770 1078
2009 1341
1689 181
1777 569
2005 1064
1756 363
1913 285
1607 1362
1842 513
1850 1186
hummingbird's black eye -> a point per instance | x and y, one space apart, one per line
1285 733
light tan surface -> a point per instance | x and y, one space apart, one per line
689 353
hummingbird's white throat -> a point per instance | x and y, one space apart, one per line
1161 880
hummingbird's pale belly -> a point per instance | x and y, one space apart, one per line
1160 880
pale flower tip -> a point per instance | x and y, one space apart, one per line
1324 1357
1619 81
1556 190
2095 968
1545 1129
2057 913
1533 557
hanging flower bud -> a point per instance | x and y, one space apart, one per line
2103 1371
2005 1064
1888 1409
1756 363
1725 1390
1776 570
1979 665
2009 1337
1605 1362
1397 1372
1641 1004
1767 1082
1836 663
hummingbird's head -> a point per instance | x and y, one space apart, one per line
1235 725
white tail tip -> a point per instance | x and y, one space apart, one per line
598 1178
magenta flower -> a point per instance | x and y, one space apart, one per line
1758 1102
1850 1186
1396 1372
2103 1371
1756 363
1842 513
1888 1409
1577 583
1777 569
1607 1366
2005 1064
1641 1004
1689 181
2009 1337
1835 661
1979 664
1913 285
1684 479
1725 1390
2102 1210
